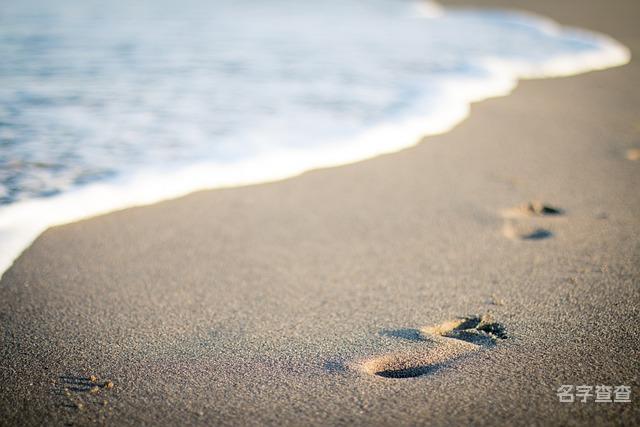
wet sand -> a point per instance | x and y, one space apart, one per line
325 299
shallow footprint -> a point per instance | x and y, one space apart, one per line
454 339
523 222
481 330
519 231
534 208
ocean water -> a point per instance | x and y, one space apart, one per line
106 105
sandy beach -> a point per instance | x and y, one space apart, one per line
331 298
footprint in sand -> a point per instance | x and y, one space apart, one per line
76 395
527 221
454 339
633 154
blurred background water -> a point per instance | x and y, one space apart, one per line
91 91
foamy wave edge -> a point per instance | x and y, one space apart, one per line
21 223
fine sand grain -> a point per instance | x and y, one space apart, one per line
305 301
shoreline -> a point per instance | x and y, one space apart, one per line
22 222
250 305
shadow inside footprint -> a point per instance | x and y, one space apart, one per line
537 234
539 208
481 330
406 334
413 372
473 337
410 364
532 209
524 232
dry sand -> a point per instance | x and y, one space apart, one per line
278 303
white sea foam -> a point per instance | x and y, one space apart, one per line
446 102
